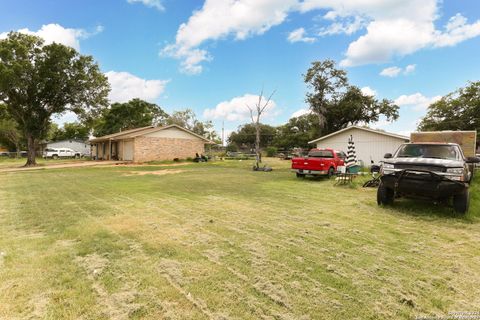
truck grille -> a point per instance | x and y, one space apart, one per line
420 167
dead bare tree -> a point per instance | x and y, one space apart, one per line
255 114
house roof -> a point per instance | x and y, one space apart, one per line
119 134
70 140
393 135
128 134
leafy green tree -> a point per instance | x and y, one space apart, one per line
129 115
10 136
354 107
459 110
338 104
38 81
297 132
245 136
71 131
327 83
188 120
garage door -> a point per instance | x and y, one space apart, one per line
128 150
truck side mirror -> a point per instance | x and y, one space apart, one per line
387 155
473 160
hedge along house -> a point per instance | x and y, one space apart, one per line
370 144
149 144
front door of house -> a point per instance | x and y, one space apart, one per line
128 150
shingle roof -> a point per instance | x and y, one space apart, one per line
118 134
128 134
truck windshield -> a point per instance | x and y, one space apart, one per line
431 151
320 154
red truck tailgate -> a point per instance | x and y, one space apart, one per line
310 163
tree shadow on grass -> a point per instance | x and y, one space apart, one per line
430 210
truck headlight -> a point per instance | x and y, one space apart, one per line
388 166
455 170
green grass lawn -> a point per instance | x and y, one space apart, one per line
19 162
218 241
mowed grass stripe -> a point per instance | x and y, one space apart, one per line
275 252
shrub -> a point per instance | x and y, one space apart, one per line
271 151
231 148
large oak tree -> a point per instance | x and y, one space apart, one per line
38 81
337 104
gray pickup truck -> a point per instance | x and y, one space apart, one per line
437 171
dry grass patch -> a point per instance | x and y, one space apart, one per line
156 173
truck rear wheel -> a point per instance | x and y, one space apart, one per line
300 175
461 202
331 172
55 157
384 195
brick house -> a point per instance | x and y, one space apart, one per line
149 144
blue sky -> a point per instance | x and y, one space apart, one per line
213 56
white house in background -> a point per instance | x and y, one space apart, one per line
78 145
370 144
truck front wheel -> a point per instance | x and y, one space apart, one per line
55 157
461 202
384 195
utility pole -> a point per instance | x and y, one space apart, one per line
223 133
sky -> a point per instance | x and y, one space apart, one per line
215 56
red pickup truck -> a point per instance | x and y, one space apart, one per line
319 162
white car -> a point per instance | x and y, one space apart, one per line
56 153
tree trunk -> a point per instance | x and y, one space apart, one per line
31 151
258 156
17 150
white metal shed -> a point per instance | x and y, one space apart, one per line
370 144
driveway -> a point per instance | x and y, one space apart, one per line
65 165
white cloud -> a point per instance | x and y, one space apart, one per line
391 72
298 35
346 26
126 86
300 112
409 69
56 33
150 3
456 30
407 33
386 39
368 91
418 101
219 19
236 108
191 58
395 71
